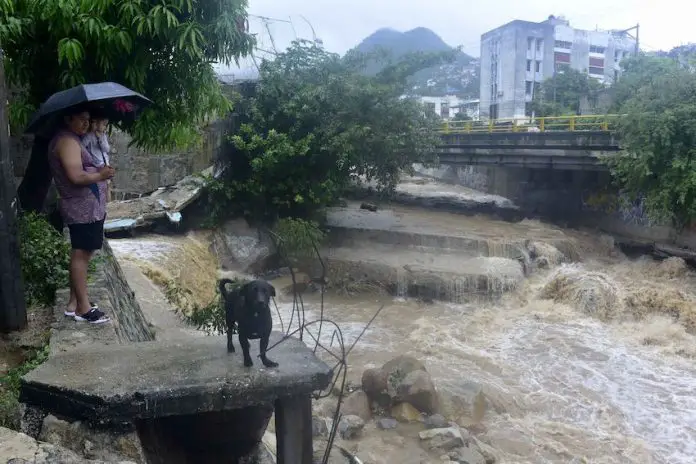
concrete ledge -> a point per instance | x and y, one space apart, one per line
156 379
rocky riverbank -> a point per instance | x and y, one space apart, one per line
397 414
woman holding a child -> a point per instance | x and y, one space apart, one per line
81 181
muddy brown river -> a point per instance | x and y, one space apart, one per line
589 361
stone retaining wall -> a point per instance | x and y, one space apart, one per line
139 171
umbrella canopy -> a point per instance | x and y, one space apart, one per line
119 104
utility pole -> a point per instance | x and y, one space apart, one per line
636 37
13 311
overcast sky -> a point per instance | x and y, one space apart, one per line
342 24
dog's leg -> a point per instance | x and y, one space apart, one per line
229 321
263 346
244 342
230 343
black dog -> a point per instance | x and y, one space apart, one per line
249 308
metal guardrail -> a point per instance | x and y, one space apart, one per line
529 124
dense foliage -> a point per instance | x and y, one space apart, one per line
314 124
561 94
44 257
161 48
639 72
658 132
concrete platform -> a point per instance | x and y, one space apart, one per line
157 379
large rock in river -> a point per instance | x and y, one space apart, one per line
403 379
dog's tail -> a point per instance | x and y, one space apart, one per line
221 285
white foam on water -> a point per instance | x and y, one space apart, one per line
569 387
579 371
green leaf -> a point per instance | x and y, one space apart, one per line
70 51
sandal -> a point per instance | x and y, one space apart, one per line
69 313
93 316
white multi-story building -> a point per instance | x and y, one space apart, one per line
448 106
517 57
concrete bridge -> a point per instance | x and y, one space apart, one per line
564 143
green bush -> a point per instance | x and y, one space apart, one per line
10 384
274 176
314 125
45 259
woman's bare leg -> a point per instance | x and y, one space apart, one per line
79 263
72 301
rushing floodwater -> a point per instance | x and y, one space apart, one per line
562 386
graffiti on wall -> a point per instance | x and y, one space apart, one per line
631 211
472 177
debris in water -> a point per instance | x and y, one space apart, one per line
369 207
174 218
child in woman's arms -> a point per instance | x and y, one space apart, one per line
97 144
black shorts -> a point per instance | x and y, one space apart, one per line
87 237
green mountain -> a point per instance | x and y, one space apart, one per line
461 77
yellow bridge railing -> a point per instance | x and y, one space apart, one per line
529 124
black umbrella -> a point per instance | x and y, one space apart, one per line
119 104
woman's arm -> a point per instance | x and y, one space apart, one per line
70 154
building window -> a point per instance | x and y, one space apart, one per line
616 75
529 65
445 110
563 44
597 62
538 66
617 55
539 44
530 41
528 87
430 107
596 49
561 57
560 67
596 71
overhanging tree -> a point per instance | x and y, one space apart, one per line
162 48
316 123
658 133
638 72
